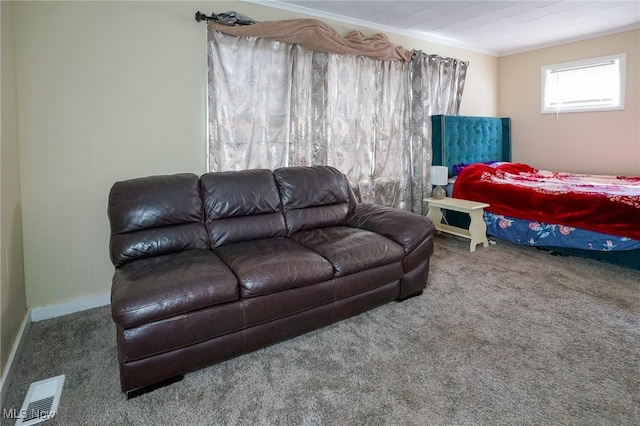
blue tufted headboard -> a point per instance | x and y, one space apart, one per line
458 139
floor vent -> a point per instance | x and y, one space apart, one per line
41 402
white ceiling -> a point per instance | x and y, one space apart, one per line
493 27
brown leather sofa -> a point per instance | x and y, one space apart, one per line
209 268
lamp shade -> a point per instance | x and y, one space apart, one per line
439 175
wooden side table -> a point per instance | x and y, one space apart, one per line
477 231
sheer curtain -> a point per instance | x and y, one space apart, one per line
437 84
249 102
273 104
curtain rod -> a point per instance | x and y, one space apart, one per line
202 17
225 18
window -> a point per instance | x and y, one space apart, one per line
590 85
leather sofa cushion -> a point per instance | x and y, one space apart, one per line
350 249
157 242
154 201
273 265
241 205
313 197
164 286
154 216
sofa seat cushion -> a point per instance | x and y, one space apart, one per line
160 287
272 265
350 249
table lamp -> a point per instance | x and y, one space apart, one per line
439 178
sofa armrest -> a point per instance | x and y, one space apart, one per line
406 228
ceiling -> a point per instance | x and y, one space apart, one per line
493 27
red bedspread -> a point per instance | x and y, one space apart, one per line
606 204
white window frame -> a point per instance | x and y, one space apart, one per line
547 71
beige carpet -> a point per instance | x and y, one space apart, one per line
506 335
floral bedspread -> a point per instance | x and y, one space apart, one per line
605 204
541 234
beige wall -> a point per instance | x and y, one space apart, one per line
590 142
114 90
13 307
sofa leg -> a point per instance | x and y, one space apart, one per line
146 389
402 299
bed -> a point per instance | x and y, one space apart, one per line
565 213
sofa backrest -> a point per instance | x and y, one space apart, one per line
241 205
313 197
155 215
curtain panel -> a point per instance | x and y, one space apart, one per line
274 104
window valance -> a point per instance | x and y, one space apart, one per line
315 34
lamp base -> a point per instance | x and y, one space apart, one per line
438 192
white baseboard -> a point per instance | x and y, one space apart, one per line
39 314
12 361
60 309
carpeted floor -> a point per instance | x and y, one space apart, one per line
503 336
